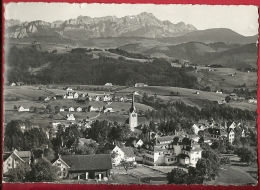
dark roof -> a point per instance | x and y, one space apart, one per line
186 141
183 156
88 162
165 138
109 146
6 155
214 131
131 141
129 151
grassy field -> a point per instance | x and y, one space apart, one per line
221 78
25 92
233 175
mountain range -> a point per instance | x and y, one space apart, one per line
84 27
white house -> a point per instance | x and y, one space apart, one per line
22 109
70 117
79 109
71 109
13 84
63 167
108 84
110 110
91 108
218 92
62 110
15 158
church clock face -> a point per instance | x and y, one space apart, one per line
133 115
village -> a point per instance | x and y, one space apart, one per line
145 154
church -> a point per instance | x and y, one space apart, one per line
133 116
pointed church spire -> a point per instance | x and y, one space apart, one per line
133 104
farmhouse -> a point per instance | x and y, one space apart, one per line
108 84
96 98
134 142
71 109
218 92
140 85
61 109
79 109
84 166
68 89
254 101
110 110
70 117
15 158
13 84
22 109
91 108
126 153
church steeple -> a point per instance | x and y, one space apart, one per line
133 103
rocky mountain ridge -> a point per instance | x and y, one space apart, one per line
83 27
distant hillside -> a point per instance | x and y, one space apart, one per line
229 55
211 35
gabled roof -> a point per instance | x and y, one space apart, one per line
129 151
88 162
165 138
131 141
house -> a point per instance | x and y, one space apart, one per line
71 109
106 98
22 109
79 109
129 155
15 158
134 142
119 153
218 92
13 84
230 135
110 110
214 133
96 98
254 101
190 152
140 85
86 167
91 108
75 95
61 109
70 117
108 84
125 153
195 128
68 89
160 151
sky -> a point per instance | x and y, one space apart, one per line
242 19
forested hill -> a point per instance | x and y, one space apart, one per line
80 68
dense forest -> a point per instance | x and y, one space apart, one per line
78 67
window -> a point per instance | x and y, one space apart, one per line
172 159
59 164
168 160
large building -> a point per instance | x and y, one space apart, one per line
167 150
133 120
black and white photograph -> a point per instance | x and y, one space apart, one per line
130 94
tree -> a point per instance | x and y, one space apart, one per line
15 107
87 149
246 154
227 99
177 176
49 154
43 171
20 173
35 138
126 165
14 137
